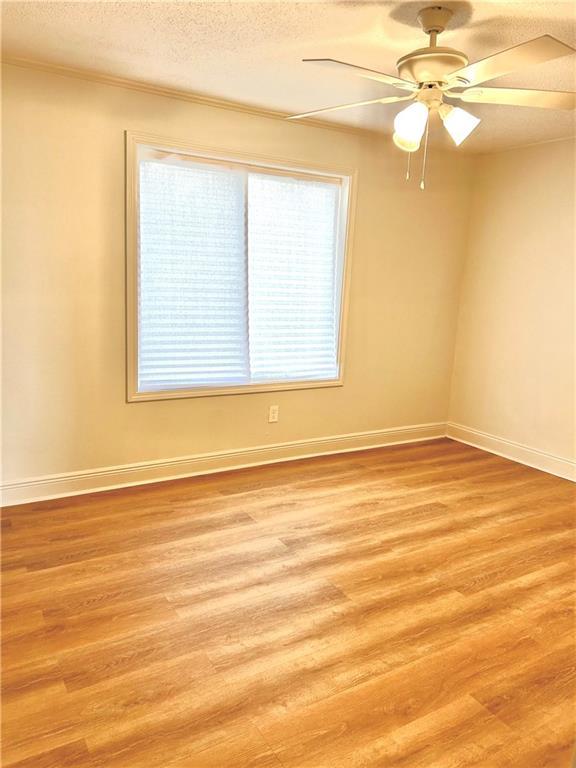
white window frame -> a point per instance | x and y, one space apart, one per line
344 176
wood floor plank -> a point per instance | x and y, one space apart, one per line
116 657
60 634
72 755
554 624
541 683
328 732
107 711
236 742
401 607
462 733
117 578
539 745
40 680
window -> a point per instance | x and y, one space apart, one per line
236 274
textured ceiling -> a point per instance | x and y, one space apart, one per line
251 52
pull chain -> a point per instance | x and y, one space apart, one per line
425 155
408 166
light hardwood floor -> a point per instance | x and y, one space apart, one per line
407 607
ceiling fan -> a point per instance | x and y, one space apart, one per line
431 75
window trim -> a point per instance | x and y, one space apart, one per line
309 170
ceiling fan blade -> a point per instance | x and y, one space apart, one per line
371 74
388 100
534 51
520 97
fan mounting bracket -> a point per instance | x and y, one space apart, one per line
434 19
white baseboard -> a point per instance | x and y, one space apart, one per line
107 478
124 475
524 454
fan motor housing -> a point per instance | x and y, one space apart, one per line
430 65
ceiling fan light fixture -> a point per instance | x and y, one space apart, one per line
430 74
458 122
409 126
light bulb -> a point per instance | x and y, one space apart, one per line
458 122
405 144
409 126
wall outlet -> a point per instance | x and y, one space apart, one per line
273 414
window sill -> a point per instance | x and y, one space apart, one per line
179 394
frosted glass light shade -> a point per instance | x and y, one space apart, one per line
458 122
409 126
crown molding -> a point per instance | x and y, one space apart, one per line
235 106
177 93
530 145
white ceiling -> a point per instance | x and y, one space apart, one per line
252 51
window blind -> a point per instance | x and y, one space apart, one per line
292 278
192 277
239 276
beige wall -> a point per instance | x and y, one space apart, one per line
514 365
64 352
